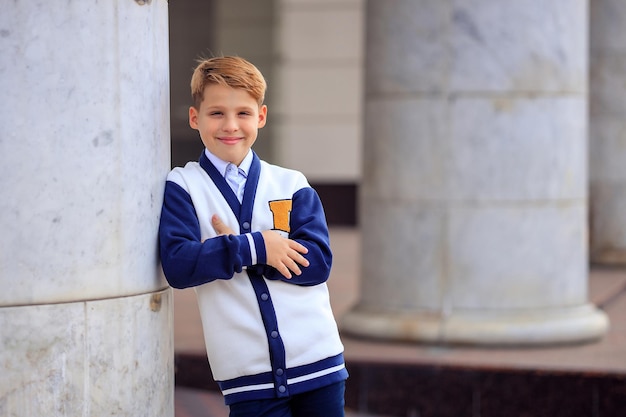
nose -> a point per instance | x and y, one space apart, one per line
230 124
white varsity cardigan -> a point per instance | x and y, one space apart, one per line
266 336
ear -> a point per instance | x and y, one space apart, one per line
193 117
262 116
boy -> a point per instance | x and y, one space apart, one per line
252 239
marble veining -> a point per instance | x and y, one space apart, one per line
85 178
109 357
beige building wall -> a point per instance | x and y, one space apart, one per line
214 28
319 67
607 132
310 52
246 28
192 34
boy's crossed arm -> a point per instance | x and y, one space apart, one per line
285 255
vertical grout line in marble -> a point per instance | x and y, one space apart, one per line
444 302
86 373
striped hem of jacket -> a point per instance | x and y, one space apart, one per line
284 383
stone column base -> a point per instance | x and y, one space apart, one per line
583 323
89 358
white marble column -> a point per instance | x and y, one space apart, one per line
607 131
474 201
85 316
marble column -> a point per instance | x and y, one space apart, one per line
85 315
474 201
607 131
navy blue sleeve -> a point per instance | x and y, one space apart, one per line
187 261
308 227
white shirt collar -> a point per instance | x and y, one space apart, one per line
221 165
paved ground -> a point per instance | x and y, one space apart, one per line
607 289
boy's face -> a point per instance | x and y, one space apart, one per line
228 121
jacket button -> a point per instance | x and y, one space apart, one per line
274 334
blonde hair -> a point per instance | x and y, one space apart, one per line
230 71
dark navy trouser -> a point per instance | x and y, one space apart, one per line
323 402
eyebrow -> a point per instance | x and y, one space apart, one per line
220 107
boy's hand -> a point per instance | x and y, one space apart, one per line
284 254
220 227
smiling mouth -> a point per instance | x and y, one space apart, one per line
229 140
